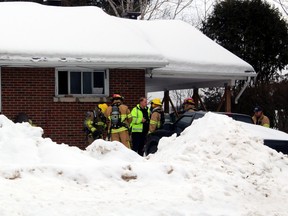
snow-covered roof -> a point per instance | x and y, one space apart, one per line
34 33
39 35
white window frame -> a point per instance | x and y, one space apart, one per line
69 70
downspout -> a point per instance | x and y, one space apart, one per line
242 90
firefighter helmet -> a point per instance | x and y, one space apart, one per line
156 101
188 101
258 109
103 107
117 97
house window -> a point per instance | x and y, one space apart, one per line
76 82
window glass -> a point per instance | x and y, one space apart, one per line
63 82
241 118
98 79
184 122
81 82
75 82
98 82
198 115
87 82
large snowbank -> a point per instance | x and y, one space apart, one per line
216 167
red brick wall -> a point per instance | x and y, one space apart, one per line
128 83
31 90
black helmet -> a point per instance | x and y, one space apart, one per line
258 109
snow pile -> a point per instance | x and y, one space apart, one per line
221 156
215 167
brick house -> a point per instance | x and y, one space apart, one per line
55 74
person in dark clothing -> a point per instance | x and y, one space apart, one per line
23 117
140 125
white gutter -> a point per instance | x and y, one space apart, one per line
242 90
83 62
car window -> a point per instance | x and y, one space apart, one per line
241 118
182 123
199 115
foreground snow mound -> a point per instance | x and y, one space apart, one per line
219 151
214 135
111 151
214 168
22 144
23 151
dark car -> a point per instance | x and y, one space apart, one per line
186 120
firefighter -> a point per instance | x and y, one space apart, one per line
189 105
23 117
259 118
140 125
119 119
157 115
95 123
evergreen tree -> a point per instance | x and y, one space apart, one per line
252 30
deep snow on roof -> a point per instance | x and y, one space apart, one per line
72 33
41 34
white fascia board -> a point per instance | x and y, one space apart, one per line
207 75
75 63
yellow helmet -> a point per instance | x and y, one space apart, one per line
156 101
103 107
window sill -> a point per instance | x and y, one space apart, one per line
82 99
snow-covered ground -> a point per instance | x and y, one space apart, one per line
215 167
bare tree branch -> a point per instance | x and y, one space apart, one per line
112 4
283 4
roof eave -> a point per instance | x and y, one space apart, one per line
202 74
89 64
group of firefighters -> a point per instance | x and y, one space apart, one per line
117 123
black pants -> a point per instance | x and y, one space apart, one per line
138 142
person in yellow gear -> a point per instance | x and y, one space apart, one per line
259 118
119 119
103 107
157 116
189 105
140 125
95 123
